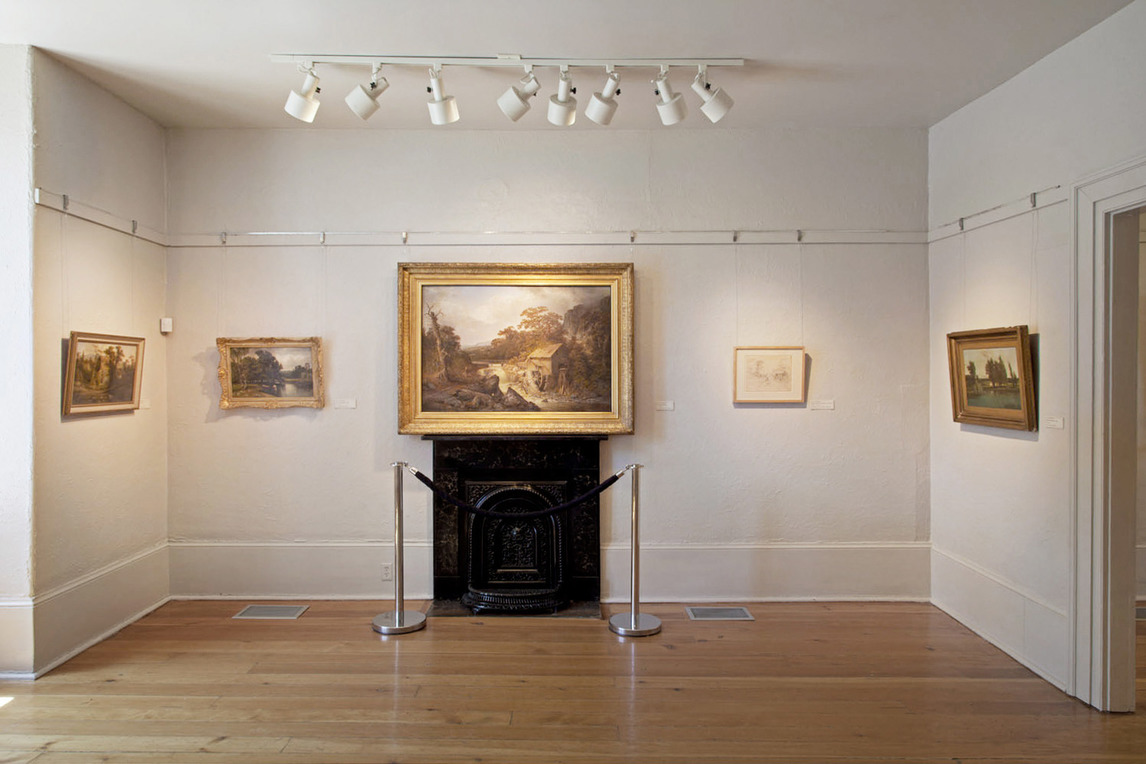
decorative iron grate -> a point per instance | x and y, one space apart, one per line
271 612
719 614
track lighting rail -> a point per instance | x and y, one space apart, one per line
302 104
307 60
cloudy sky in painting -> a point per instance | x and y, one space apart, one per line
980 356
478 313
288 357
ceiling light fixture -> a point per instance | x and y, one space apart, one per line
514 102
603 105
303 104
563 106
363 101
717 103
443 109
671 108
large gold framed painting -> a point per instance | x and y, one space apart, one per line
506 348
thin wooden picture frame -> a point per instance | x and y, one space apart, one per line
769 374
992 379
104 373
270 372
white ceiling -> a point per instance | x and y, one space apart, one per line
205 63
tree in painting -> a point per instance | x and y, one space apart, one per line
103 374
546 361
255 372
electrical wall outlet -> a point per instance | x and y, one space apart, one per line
387 571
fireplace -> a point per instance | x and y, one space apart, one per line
516 565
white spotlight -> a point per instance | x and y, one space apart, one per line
717 103
672 107
602 106
515 101
363 100
443 109
303 104
563 106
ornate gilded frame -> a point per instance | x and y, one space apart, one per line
415 417
1011 346
235 393
82 398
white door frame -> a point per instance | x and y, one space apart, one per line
1102 565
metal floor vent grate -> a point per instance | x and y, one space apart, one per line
719 614
1140 613
271 612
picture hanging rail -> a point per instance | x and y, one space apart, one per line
715 102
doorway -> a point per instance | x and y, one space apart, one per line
1105 355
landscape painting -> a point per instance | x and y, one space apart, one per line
269 372
507 348
104 373
991 377
768 374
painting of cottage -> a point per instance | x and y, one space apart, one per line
516 348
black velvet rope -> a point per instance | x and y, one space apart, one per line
516 515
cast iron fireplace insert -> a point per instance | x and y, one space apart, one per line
532 565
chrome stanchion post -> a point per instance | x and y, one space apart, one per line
399 621
635 623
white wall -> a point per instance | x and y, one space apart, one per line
1000 501
16 636
745 502
100 481
1077 111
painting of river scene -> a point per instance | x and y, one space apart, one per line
103 374
515 347
270 372
992 380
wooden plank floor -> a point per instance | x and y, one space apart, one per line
804 682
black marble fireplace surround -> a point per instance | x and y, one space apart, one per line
533 565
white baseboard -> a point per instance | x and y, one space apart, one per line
71 618
1033 632
776 572
668 573
17 644
318 570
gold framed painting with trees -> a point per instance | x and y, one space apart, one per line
270 372
768 374
991 377
503 348
104 373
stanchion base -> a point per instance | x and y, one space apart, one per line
411 620
647 625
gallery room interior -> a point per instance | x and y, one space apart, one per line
888 173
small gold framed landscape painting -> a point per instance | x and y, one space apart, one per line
507 348
991 379
768 375
270 372
104 373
